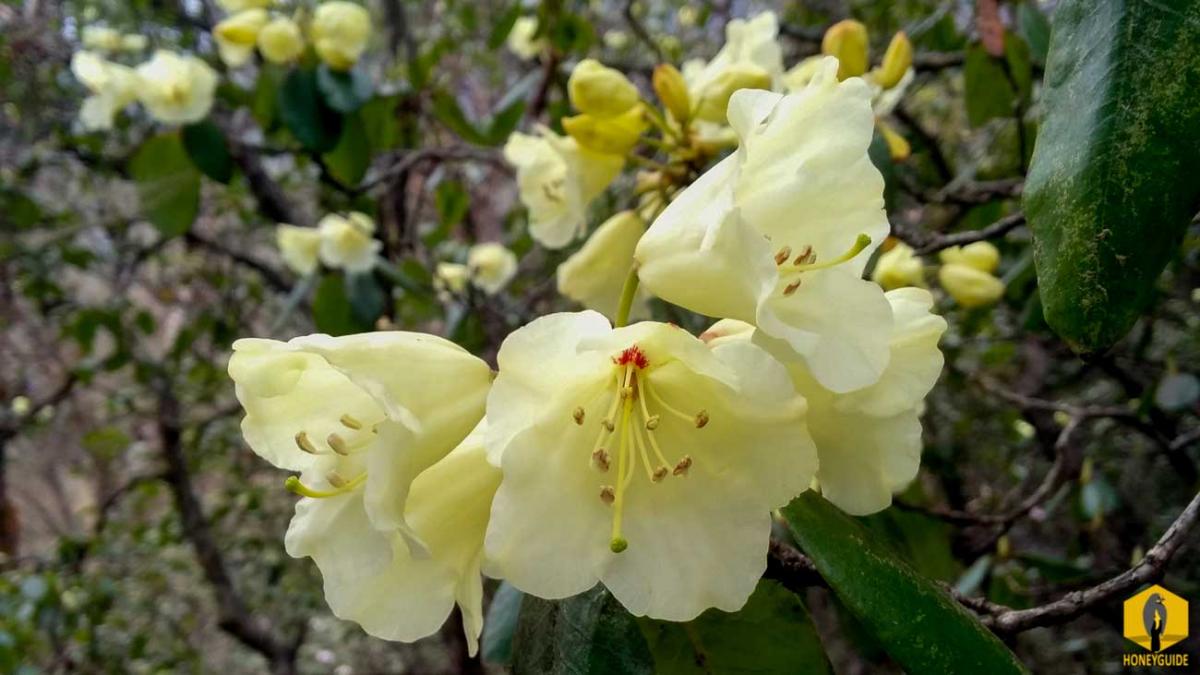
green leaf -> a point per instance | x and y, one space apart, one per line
367 299
380 123
447 111
590 633
344 91
504 121
917 622
332 312
205 144
1112 185
265 104
168 184
305 113
348 162
1033 25
452 201
994 86
504 26
500 624
773 633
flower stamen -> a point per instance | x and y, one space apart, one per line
295 486
807 261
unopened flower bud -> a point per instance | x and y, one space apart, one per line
672 91
968 286
339 32
280 40
237 35
613 135
899 267
715 97
981 255
896 61
847 40
600 91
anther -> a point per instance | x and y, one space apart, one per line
350 422
608 424
783 254
626 392
338 444
806 256
701 419
335 479
791 288
652 422
304 444
659 474
618 544
682 467
600 459
607 494
578 415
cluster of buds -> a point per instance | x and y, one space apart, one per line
339 32
967 273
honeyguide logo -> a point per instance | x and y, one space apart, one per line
1156 619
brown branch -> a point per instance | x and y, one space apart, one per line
972 193
926 243
270 275
640 31
791 568
404 161
234 616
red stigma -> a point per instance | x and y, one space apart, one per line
633 355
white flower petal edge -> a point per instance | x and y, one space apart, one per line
366 411
369 575
778 233
595 274
640 458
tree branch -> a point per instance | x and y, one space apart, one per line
925 243
272 277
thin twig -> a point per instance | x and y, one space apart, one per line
640 31
926 244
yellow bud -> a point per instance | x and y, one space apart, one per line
847 40
715 97
896 61
898 146
1003 547
981 255
672 90
970 287
600 91
614 136
280 41
899 267
236 36
339 32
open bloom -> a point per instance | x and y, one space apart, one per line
176 89
491 266
370 574
750 58
299 247
451 277
638 457
521 41
339 32
778 233
594 276
112 86
362 414
869 440
237 35
348 242
557 178
101 38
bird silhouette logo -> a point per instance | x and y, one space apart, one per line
1154 618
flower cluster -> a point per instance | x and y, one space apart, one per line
967 273
345 242
635 455
339 32
174 88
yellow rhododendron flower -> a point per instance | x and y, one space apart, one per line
280 40
348 242
237 35
611 135
491 266
869 440
339 32
394 500
596 273
899 267
750 58
970 287
520 38
176 89
639 458
112 86
101 38
600 91
132 42
778 233
451 277
235 6
847 41
300 247
557 178
982 255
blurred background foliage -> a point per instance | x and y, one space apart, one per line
139 534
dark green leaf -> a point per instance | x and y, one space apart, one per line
367 299
773 633
1112 185
305 113
1035 28
205 144
500 624
265 105
168 184
504 121
452 202
916 621
332 312
344 91
348 162
447 111
380 123
989 94
587 634
504 26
